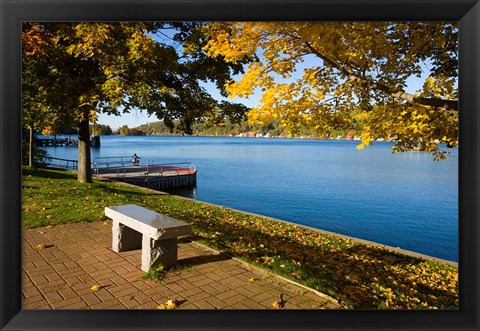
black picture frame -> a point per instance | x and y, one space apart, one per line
13 12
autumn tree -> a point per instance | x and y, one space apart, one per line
190 38
124 130
120 67
100 129
36 113
315 75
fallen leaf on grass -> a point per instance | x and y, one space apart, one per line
296 275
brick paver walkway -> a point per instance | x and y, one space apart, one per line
78 256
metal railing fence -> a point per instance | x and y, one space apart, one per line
53 162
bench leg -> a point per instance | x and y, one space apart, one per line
156 252
125 238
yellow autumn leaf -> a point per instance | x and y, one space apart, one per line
361 146
296 275
162 306
171 304
276 304
251 280
39 247
95 288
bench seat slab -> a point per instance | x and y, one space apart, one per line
148 222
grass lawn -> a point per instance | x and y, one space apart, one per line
358 275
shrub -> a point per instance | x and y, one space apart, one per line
40 156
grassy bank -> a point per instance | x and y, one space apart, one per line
358 275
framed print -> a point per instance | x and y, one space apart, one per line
326 281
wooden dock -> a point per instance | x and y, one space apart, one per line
49 141
167 176
157 177
56 142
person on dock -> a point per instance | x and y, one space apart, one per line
135 159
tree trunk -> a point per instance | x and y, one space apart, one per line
84 160
30 147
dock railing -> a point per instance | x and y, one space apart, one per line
166 169
121 166
53 162
110 161
121 163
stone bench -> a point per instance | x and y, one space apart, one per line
135 227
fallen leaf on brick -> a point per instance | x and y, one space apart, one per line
276 304
171 304
95 288
39 247
251 280
279 303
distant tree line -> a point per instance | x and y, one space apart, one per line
243 128
100 129
126 131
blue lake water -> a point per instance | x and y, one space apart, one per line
403 200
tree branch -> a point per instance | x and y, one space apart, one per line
398 94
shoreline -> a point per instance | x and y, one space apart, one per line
449 252
355 239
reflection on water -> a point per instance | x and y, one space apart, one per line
187 192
